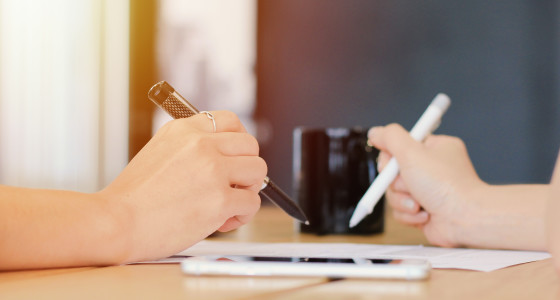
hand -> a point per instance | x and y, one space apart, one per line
553 217
186 183
435 182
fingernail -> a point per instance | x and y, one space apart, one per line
423 214
408 203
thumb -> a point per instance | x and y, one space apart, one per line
395 140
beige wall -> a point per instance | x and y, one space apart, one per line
63 93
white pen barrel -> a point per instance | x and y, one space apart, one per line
430 118
380 185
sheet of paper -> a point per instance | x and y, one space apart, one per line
440 258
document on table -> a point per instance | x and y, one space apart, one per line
440 258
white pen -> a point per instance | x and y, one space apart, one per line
427 123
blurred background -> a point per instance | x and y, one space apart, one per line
74 77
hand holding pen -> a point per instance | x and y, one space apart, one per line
427 123
165 96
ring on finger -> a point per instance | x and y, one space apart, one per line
211 117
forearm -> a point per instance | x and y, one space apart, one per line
47 228
506 217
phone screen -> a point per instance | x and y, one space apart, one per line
306 266
235 258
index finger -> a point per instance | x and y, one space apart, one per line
393 139
226 121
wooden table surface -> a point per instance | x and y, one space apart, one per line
536 280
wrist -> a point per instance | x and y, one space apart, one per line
504 217
471 214
115 225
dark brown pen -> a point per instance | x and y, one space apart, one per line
165 96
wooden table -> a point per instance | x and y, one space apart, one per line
535 280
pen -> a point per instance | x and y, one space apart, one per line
165 96
427 123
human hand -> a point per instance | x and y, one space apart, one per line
186 183
553 217
436 179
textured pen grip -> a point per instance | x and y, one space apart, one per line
165 96
176 108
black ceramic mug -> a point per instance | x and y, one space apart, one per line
333 168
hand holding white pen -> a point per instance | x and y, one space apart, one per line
427 123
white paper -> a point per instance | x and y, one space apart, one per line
440 258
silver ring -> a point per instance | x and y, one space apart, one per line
211 117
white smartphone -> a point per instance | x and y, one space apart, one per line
411 269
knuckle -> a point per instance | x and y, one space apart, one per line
252 144
459 143
232 119
393 136
214 167
172 125
393 127
263 167
256 202
203 142
235 122
255 145
228 114
178 127
456 143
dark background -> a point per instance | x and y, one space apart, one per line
364 63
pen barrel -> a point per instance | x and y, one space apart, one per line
165 96
380 184
431 118
274 193
175 109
